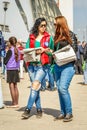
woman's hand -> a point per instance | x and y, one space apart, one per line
54 56
42 50
39 51
46 50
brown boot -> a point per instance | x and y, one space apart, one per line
68 118
61 116
39 113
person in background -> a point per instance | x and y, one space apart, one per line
48 82
84 45
79 61
25 67
6 50
64 73
38 69
2 51
12 63
20 47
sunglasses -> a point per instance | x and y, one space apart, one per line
55 24
43 25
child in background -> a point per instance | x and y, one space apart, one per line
12 63
20 47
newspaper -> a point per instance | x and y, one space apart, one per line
30 54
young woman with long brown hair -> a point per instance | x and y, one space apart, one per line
64 73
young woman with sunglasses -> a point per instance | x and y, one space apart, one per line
37 70
64 73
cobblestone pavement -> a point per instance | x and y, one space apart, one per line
10 118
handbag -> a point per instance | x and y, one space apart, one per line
64 55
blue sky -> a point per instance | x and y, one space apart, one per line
80 19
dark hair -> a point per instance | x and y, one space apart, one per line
37 23
13 42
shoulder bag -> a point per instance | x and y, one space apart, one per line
64 55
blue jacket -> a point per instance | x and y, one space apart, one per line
79 52
2 45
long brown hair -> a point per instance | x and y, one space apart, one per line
62 32
13 42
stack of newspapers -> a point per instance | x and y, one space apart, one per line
30 54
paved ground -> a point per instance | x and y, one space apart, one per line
10 119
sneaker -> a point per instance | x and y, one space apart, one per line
68 118
61 116
39 113
26 113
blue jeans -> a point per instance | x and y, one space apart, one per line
31 72
49 74
85 74
63 77
38 75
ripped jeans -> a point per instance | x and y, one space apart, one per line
38 75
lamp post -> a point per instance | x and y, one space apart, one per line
5 7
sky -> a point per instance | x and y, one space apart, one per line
80 19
